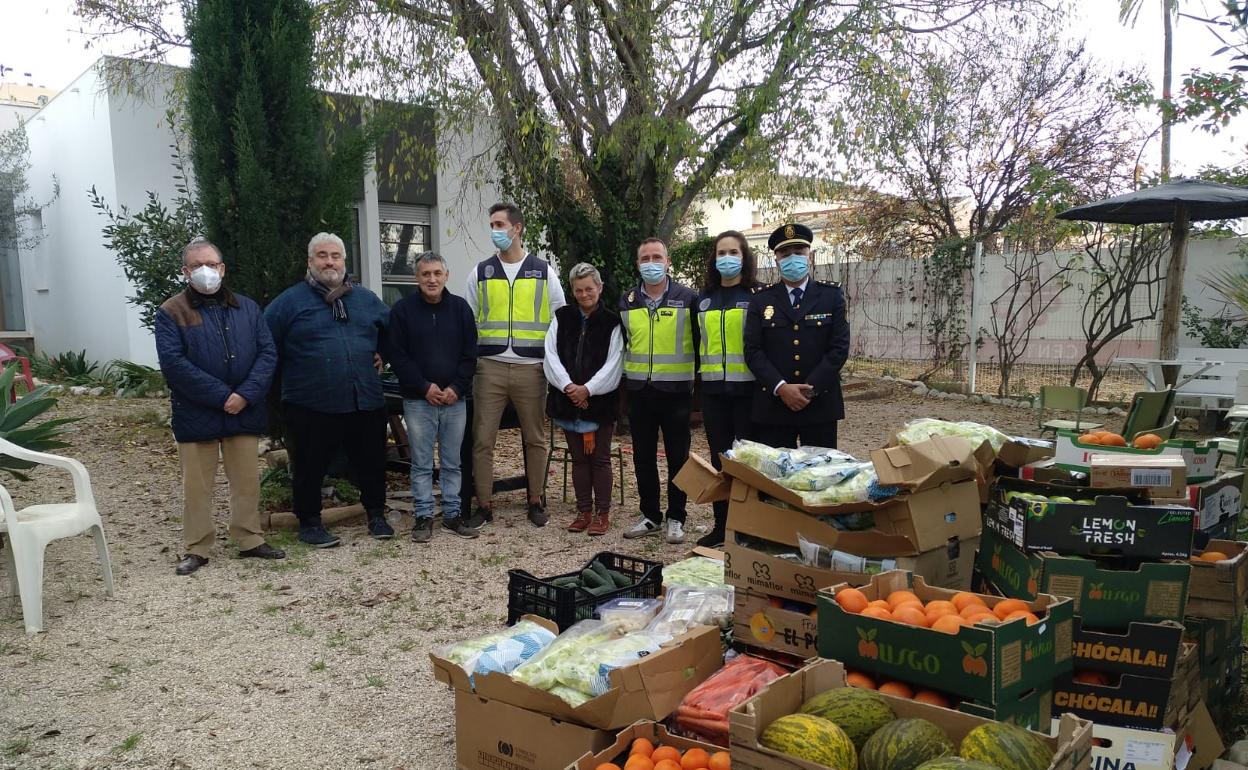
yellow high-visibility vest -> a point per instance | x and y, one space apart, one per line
660 344
515 313
723 345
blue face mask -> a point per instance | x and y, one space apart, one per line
653 272
728 267
502 241
794 267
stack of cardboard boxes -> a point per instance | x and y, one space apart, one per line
931 530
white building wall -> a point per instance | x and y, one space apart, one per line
461 230
74 290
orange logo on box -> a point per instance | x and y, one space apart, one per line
973 662
867 647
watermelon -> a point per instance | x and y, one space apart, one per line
955 763
904 745
811 738
1006 746
857 711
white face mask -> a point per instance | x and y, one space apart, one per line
206 280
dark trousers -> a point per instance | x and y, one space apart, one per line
316 437
725 418
650 411
821 434
591 474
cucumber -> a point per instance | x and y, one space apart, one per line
620 579
601 571
591 580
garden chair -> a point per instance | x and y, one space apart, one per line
31 529
1066 398
1237 444
1151 411
561 446
7 358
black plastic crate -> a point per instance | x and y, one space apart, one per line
529 595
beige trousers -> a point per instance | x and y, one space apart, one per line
199 477
495 384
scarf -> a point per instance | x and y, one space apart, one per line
332 297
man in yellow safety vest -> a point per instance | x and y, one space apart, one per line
513 296
660 359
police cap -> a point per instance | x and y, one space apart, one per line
786 235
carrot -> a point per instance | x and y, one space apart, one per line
703 726
699 713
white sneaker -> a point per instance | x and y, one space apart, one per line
641 529
675 531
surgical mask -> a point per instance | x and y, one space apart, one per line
502 241
794 267
206 280
653 272
728 267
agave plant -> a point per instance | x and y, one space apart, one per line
133 379
1231 284
15 419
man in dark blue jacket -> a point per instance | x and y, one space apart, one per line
433 350
329 333
218 358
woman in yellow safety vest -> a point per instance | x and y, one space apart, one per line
727 384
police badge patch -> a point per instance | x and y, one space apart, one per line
789 232
704 304
632 296
489 271
768 312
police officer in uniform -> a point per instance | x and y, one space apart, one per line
660 360
727 384
796 341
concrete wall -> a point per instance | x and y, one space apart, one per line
461 230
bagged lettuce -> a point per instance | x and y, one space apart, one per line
926 428
501 651
696 572
855 489
542 670
814 478
777 463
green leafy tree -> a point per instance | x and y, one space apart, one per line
268 170
15 200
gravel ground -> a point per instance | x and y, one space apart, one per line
318 661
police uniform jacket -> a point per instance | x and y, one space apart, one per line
807 344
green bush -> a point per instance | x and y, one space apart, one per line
15 422
133 380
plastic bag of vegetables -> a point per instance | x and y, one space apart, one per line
819 555
696 572
776 463
925 428
813 478
542 670
590 672
855 489
501 651
684 608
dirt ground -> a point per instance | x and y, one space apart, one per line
318 661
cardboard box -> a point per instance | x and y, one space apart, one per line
1071 746
1032 710
1145 649
1124 748
1049 472
761 621
984 663
943 459
755 570
699 479
1199 456
657 734
652 688
1163 476
1218 501
1219 589
1104 598
1021 451
1202 734
490 734
1151 703
1085 521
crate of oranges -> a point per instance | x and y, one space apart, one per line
1218 586
646 745
979 647
1033 710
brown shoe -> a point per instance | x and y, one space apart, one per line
599 525
580 522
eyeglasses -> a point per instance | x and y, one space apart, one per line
204 264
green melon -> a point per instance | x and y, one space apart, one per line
955 763
857 711
811 738
1006 746
904 745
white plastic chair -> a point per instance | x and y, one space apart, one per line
31 529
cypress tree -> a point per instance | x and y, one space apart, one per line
266 177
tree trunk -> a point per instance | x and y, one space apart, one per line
1167 77
1172 305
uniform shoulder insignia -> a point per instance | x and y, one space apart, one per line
834 284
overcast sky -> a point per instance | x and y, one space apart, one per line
46 40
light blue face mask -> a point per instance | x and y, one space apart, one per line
502 241
794 267
653 272
728 267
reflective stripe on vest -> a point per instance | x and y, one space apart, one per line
723 346
660 345
515 313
